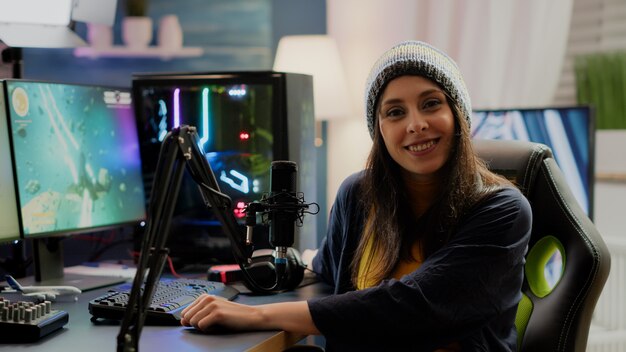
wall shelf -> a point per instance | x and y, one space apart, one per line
120 51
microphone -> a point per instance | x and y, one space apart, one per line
284 207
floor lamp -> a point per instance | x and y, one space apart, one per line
318 56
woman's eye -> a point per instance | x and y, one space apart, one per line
395 112
431 103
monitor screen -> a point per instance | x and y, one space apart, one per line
76 157
568 131
245 120
9 225
235 122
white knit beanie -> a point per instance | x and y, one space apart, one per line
419 59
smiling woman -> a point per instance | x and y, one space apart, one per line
418 240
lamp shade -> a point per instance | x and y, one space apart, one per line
318 56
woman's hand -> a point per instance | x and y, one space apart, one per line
209 311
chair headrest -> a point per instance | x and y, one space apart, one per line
519 161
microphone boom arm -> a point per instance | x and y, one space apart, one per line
179 148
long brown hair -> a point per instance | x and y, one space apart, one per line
391 228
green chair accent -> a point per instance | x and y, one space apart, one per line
536 262
552 316
524 311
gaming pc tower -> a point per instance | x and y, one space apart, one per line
245 120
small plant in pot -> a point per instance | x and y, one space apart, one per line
137 26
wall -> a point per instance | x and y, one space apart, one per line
348 139
610 186
600 26
234 34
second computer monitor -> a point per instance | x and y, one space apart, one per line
9 225
568 131
76 157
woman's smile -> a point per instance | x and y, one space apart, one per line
423 147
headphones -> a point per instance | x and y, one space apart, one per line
261 271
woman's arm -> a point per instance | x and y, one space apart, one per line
333 261
209 311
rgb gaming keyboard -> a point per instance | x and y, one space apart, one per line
170 298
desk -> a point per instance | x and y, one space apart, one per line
80 334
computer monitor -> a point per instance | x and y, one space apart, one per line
76 161
245 120
568 131
9 225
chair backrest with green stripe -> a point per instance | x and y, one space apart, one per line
567 262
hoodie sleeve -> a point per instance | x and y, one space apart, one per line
345 225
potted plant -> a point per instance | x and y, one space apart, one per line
137 26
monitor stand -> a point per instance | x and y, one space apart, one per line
49 264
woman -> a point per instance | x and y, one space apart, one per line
425 247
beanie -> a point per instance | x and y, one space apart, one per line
419 59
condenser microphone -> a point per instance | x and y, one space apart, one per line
284 203
283 214
283 208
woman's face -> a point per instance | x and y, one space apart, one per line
417 125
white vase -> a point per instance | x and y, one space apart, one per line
170 34
137 31
99 35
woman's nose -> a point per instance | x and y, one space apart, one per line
416 123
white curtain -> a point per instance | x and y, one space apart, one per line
509 51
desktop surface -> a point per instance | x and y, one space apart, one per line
80 334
